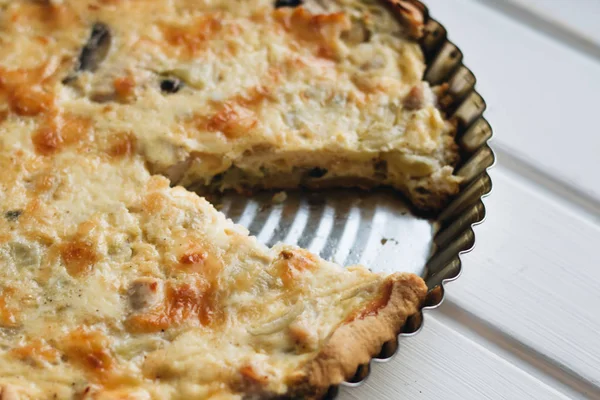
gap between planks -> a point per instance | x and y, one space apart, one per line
541 367
546 25
442 363
541 94
568 195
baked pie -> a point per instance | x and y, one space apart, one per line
118 283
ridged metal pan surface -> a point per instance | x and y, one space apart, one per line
375 228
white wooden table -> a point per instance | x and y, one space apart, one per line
523 320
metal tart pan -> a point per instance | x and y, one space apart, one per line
376 228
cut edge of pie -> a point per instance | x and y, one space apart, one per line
258 168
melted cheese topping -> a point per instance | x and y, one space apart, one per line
113 284
264 91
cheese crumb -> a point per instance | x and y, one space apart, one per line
279 197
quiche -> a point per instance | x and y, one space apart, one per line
116 282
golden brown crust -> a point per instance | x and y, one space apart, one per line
7 392
411 14
356 342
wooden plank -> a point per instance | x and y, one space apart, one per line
534 276
580 18
542 96
572 24
440 363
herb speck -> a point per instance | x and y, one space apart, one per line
13 215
